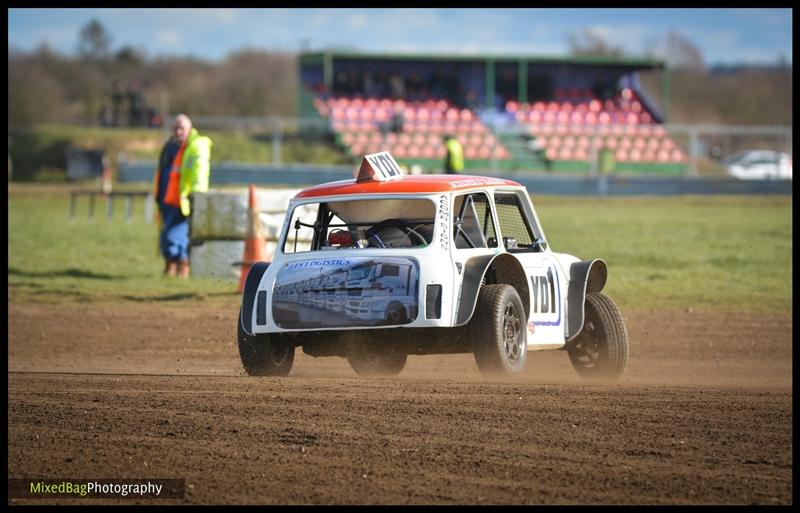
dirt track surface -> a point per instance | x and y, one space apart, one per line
703 416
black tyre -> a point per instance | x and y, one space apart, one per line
264 355
498 331
374 362
601 348
396 314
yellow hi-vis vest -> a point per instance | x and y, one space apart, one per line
456 154
190 171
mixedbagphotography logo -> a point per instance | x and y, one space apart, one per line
96 488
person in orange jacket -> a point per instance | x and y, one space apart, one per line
183 168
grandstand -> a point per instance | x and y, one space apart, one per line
509 113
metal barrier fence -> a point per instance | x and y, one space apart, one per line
705 146
232 173
109 197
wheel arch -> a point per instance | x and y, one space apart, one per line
249 295
585 277
500 268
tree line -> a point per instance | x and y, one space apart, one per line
46 86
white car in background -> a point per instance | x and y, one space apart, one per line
760 165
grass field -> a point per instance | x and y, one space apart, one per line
710 252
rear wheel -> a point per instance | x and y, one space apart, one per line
264 354
376 362
601 348
498 331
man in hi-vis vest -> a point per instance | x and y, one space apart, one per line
183 168
454 161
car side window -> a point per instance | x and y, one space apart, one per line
513 225
473 225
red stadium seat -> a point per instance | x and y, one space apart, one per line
539 106
621 155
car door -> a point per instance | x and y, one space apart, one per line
522 236
474 242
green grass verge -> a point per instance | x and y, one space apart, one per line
700 252
39 154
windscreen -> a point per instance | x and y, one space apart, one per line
365 223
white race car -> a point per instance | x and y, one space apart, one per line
386 265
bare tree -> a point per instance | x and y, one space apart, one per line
94 41
682 53
590 43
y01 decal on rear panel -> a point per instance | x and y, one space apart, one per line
346 292
545 296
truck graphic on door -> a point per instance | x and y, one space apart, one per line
348 293
382 292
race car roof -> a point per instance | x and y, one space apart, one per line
420 184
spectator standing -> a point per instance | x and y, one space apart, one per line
183 169
454 161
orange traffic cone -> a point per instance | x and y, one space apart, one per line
254 240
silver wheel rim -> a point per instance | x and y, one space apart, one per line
512 331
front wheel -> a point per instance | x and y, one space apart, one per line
601 348
498 331
265 354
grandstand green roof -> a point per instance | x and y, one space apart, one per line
636 63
